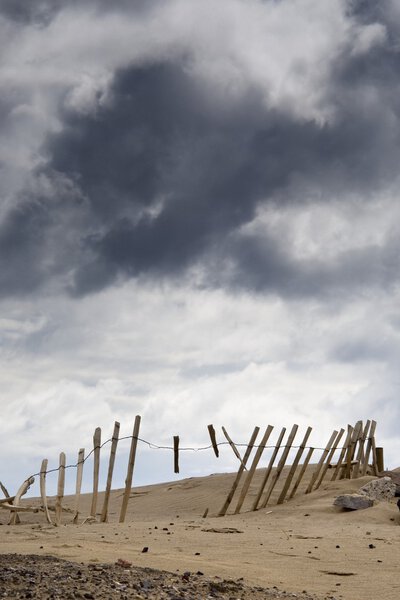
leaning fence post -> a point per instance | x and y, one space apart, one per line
96 468
269 469
235 484
328 460
294 466
113 451
253 467
321 462
232 445
60 489
360 453
301 474
280 466
369 446
352 448
340 465
43 471
7 495
21 492
213 439
131 464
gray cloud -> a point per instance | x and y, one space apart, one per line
167 179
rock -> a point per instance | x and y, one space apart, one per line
379 489
353 501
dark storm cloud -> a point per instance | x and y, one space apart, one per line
42 12
170 178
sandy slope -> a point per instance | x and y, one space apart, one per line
305 544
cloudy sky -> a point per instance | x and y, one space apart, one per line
199 223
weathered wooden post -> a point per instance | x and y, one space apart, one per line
131 464
113 451
96 469
43 472
243 463
60 489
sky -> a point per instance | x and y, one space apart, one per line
199 223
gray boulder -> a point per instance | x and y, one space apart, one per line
379 489
353 501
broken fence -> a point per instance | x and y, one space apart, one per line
357 456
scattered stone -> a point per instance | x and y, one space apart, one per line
353 501
379 489
123 563
145 549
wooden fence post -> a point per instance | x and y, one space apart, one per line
302 471
79 473
60 489
131 464
379 459
351 450
294 466
213 439
232 445
43 472
96 469
280 466
21 492
253 467
269 469
360 454
339 464
329 459
321 462
9 499
369 446
235 484
176 453
113 451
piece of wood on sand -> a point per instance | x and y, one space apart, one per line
60 489
278 471
328 460
213 439
340 465
252 469
293 468
369 447
111 463
357 470
21 492
96 469
321 462
233 446
235 484
43 495
176 453
269 469
78 487
131 465
302 471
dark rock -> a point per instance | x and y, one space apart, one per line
353 501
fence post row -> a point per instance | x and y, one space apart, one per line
353 461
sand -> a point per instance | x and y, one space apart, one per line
305 544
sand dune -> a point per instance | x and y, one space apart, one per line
304 544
